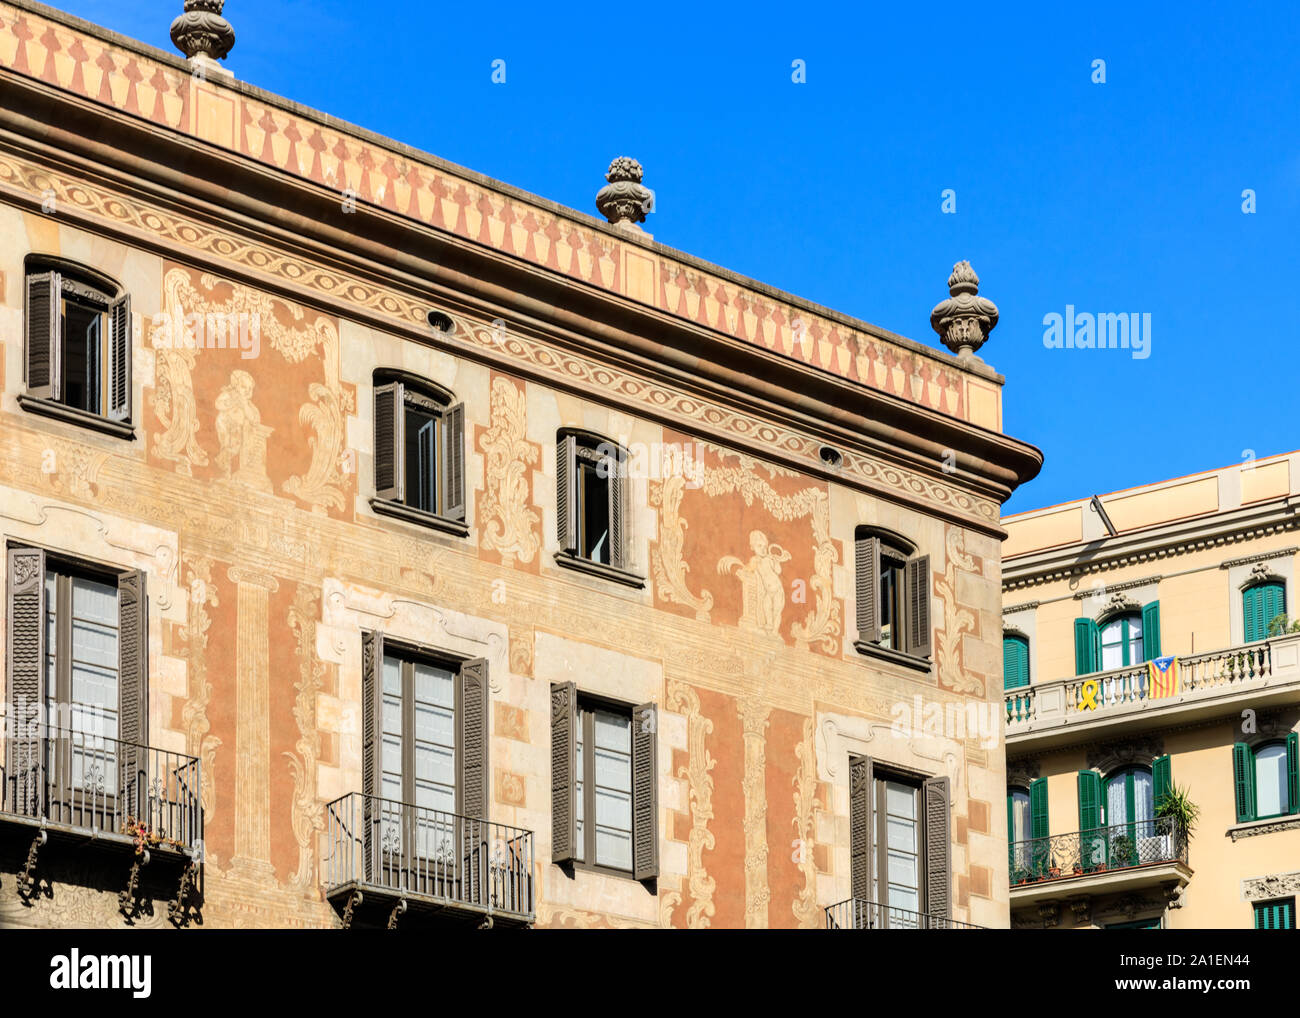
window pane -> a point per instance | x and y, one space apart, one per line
1117 800
391 731
435 738
612 777
1020 815
902 860
1270 781
593 498
421 459
579 799
82 336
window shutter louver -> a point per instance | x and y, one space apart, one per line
119 360
1162 778
1089 800
645 792
474 739
25 651
454 463
860 780
565 500
133 670
372 713
564 726
918 608
1150 631
938 897
617 494
1086 638
1252 610
44 349
1015 662
867 572
390 443
1038 820
1275 604
1243 781
1293 772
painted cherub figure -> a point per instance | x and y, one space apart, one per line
761 589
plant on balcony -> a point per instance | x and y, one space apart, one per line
1280 625
1177 803
1121 850
1019 875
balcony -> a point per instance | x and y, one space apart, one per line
62 786
1261 674
860 914
389 858
1104 860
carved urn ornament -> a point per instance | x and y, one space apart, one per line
624 199
965 319
202 32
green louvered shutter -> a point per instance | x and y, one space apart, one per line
1150 631
1086 640
1015 662
1038 808
1293 772
1261 604
1089 800
1274 604
1275 915
1162 777
1243 781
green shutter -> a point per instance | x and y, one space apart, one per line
1293 772
1275 915
1162 778
1150 631
1015 662
1243 781
1087 639
1089 800
1261 604
1038 808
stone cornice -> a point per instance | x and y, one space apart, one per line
1263 556
1111 588
1025 606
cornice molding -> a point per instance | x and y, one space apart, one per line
1263 556
1112 588
1025 606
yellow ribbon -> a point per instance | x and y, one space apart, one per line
1088 695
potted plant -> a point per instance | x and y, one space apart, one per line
1078 869
1184 814
1053 871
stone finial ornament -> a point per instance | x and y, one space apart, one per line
624 200
965 319
202 32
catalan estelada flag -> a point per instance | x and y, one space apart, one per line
1163 675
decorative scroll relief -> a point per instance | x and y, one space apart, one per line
512 526
754 721
307 815
682 699
806 910
173 400
669 567
957 621
194 717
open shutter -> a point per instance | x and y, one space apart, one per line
938 806
44 368
860 780
453 459
1151 631
918 606
1243 781
372 713
390 441
1252 604
1162 778
1087 637
25 653
566 528
617 514
474 739
1089 800
564 729
119 360
1038 827
645 792
1015 662
1293 772
1274 603
867 572
133 669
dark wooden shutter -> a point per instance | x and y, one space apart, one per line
390 441
867 573
133 696
938 840
1150 631
372 714
1293 771
44 349
618 550
860 781
918 606
1086 639
564 753
1243 781
474 792
119 360
645 792
566 479
453 463
25 652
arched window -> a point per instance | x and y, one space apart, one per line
1121 641
1267 778
1261 604
1015 660
592 513
893 596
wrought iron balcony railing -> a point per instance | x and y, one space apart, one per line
407 852
1113 691
63 778
860 914
1103 849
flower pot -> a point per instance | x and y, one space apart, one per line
1055 871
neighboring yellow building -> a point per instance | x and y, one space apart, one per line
1199 569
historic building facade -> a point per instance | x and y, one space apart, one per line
1152 661
385 545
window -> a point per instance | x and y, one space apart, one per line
893 595
1121 815
1261 604
1275 915
1121 641
77 327
1027 829
591 506
79 651
1266 778
419 453
1015 661
604 784
899 844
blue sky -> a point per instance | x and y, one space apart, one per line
1116 197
